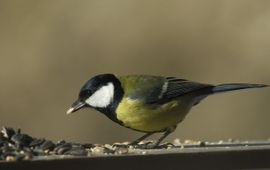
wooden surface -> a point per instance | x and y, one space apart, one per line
237 155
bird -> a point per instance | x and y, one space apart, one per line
147 103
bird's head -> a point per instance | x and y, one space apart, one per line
99 92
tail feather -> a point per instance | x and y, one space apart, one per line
235 86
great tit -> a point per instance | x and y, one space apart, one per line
146 103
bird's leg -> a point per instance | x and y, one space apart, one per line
135 142
155 144
165 134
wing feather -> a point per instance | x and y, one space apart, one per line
156 89
178 87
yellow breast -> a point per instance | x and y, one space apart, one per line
150 118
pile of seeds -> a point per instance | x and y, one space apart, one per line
15 145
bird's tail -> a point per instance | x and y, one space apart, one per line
235 86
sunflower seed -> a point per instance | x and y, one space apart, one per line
61 149
7 132
77 151
47 145
37 142
21 139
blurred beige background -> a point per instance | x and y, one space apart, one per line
48 49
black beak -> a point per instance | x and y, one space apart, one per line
77 105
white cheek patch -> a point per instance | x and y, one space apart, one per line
102 97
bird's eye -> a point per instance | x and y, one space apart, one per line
85 94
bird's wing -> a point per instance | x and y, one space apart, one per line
174 87
155 89
142 87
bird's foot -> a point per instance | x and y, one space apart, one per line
120 145
154 145
143 145
148 145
